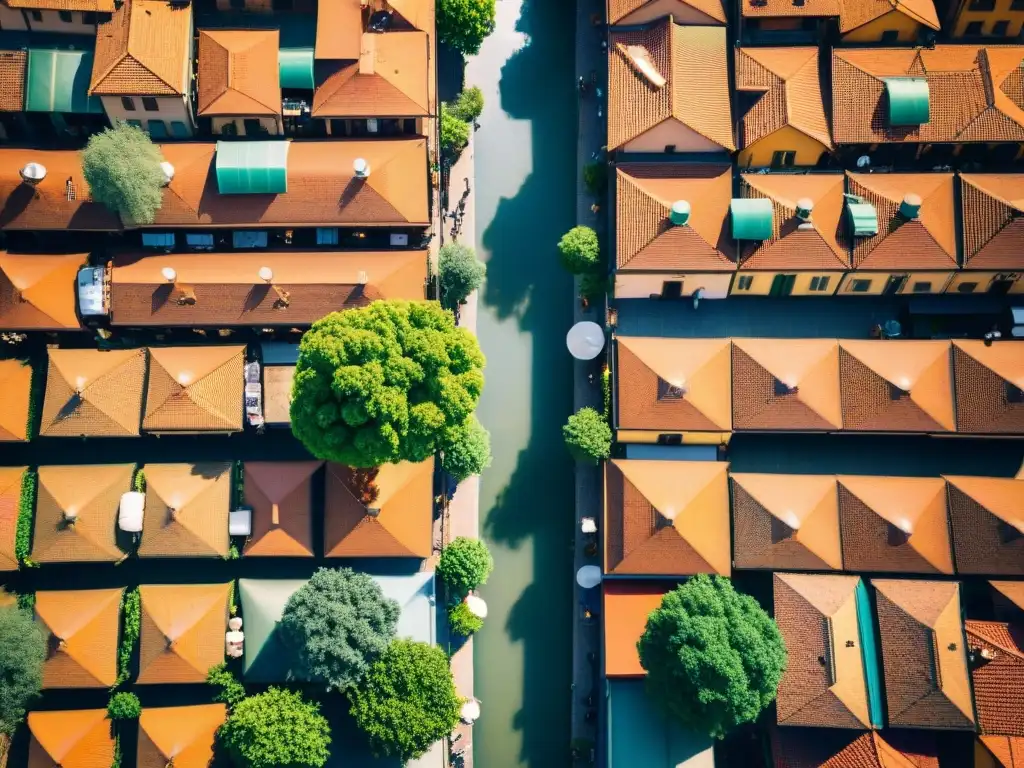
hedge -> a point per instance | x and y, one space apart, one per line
26 509
131 604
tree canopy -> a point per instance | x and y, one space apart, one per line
385 383
463 24
454 131
469 104
460 273
122 167
468 450
22 652
464 565
587 435
713 657
124 705
337 624
276 728
407 700
580 250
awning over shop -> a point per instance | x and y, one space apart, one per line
58 81
296 68
252 167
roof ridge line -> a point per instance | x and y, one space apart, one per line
1019 653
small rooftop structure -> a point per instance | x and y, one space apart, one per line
92 393
987 519
187 509
195 389
182 631
37 291
238 72
70 738
82 626
179 736
280 494
16 384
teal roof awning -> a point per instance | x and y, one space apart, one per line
642 736
252 167
869 654
58 81
863 218
296 68
908 100
751 218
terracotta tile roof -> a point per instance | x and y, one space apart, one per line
322 188
923 654
817 616
783 384
195 389
280 495
186 510
619 9
1008 751
92 493
838 748
402 494
894 524
692 61
238 72
93 393
896 386
975 94
993 220
666 518
339 29
16 384
782 8
852 13
229 291
11 479
1008 600
277 393
788 78
144 49
795 244
77 738
627 604
987 518
389 78
648 369
12 80
647 239
785 522
46 205
182 736
927 241
98 6
83 631
37 292
987 381
182 633
998 682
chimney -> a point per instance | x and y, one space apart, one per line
169 274
367 54
804 206
70 516
361 168
33 173
680 214
275 514
910 206
266 274
362 278
168 171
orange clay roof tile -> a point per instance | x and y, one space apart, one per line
16 384
93 393
627 604
195 389
619 10
1008 600
238 72
187 509
339 28
182 633
988 383
1008 751
842 748
280 494
97 6
998 682
13 65
987 519
993 220
11 479
37 292
77 738
83 630
179 736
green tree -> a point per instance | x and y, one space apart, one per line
454 131
468 452
124 706
337 624
713 657
407 700
384 383
463 621
22 652
464 565
587 435
469 105
580 250
122 167
463 24
460 273
276 728
230 691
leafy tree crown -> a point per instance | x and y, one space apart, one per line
122 167
463 621
463 24
468 450
454 131
580 250
461 273
22 652
124 706
464 565
469 105
276 728
587 435
229 690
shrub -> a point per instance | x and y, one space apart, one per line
231 691
384 383
26 600
26 510
337 624
139 480
124 706
713 657
469 452
587 435
463 621
454 132
276 728
593 286
122 167
595 177
580 250
469 105
460 273
464 565
131 604
22 652
463 24
407 701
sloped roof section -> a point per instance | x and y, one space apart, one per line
841 748
11 479
83 631
785 522
691 84
92 393
666 518
16 384
12 80
78 738
618 10
195 389
238 72
1008 600
987 518
182 736
382 511
98 6
182 632
187 509
280 494
37 292
992 207
339 29
76 512
998 682
989 381
627 604
1008 751
923 654
674 384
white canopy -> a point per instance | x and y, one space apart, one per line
585 340
476 606
588 525
129 516
470 711
589 576
240 521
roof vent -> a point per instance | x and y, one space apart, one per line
361 168
910 206
862 216
33 173
70 516
362 278
266 274
908 101
804 206
671 390
168 171
640 60
680 214
169 274
372 511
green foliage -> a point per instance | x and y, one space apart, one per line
407 700
231 691
122 167
454 132
580 250
232 605
461 273
464 565
714 658
385 383
469 105
26 510
124 706
233 553
595 177
26 600
463 24
468 452
131 605
22 652
139 480
587 435
276 728
606 392
594 286
463 621
337 624
116 762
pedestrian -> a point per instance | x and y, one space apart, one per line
583 86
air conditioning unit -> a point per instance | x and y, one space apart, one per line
372 125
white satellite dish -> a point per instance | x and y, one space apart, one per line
585 340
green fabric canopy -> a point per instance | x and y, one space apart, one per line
863 218
295 66
751 218
252 167
642 736
908 100
58 81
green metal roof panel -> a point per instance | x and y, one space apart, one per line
751 218
863 219
252 167
58 81
642 736
908 100
869 654
296 68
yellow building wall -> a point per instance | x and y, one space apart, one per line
641 285
689 438
786 139
762 283
988 19
894 20
983 279
52 22
878 280
271 124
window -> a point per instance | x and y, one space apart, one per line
89 17
249 239
860 286
199 241
36 15
161 240
157 129
743 283
922 287
127 104
982 5
179 130
150 104
66 16
253 126
973 29
1017 5
783 159
326 235
1000 28
670 439
966 287
891 36
669 391
136 123
819 283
